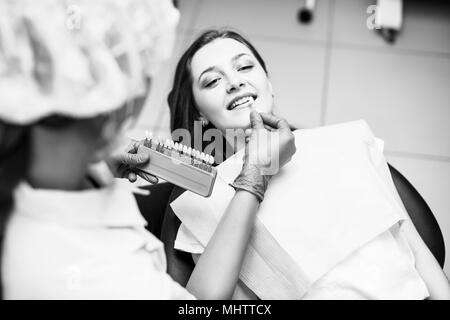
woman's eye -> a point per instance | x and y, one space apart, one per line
211 83
247 67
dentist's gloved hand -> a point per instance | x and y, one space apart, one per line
282 129
127 164
269 146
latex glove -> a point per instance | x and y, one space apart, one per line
126 165
281 128
269 146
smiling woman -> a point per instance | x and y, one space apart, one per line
219 79
230 85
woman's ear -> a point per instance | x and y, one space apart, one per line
109 136
102 142
203 119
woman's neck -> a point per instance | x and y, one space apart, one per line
59 160
235 138
234 141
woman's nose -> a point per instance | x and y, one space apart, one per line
234 84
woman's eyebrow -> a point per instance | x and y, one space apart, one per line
236 57
205 71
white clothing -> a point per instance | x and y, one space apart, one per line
83 245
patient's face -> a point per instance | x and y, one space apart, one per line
228 82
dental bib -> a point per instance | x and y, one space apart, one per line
328 227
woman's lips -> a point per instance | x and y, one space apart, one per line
243 106
243 103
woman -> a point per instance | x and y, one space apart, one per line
213 92
219 80
69 237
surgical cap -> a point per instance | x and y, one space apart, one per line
79 58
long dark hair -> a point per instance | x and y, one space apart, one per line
14 159
183 110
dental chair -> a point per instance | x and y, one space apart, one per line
164 224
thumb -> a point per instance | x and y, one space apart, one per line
275 122
247 151
134 159
256 121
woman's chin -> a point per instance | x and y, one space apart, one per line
241 117
241 124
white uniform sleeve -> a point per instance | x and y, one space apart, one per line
138 275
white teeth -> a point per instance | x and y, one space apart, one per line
242 101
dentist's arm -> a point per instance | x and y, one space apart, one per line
217 270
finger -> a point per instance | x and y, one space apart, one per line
142 192
134 159
255 120
274 121
133 146
247 149
132 177
148 177
122 170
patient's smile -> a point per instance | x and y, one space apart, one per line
241 103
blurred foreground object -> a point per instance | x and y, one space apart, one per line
79 59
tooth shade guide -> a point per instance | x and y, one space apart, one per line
179 151
183 168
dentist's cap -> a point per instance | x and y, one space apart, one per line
79 58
